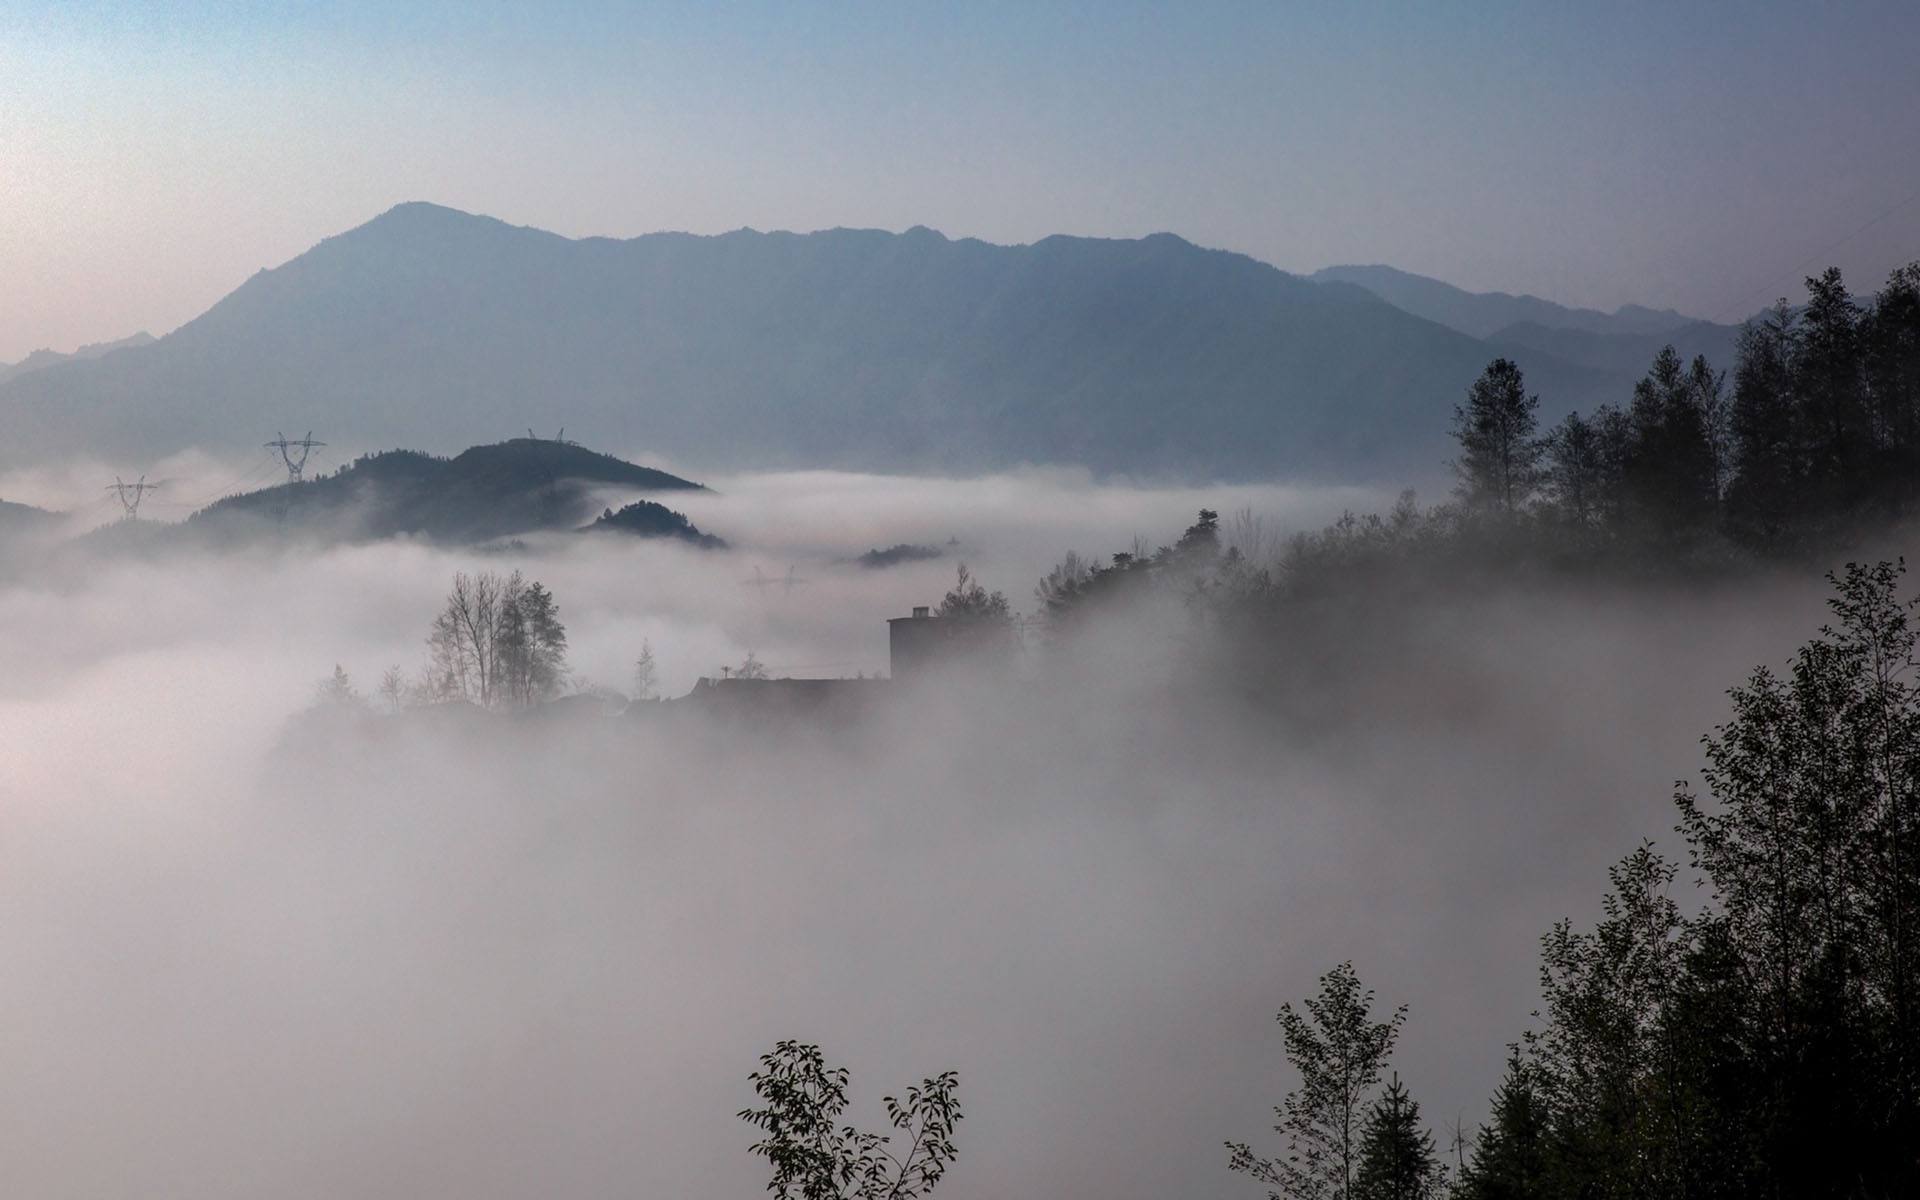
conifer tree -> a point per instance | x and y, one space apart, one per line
1397 1160
1499 465
1511 1160
1575 471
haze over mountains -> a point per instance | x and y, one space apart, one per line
41 359
850 348
1527 328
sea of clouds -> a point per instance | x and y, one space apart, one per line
251 953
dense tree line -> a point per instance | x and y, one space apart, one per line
1818 431
1766 1045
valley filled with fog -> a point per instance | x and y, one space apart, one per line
253 950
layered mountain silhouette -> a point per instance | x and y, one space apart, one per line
1530 329
1483 314
851 348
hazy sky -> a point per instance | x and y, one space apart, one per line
1705 156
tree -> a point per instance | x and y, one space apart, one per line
1339 1051
1768 1045
1832 386
1397 1161
1604 1061
1510 1159
1498 467
393 688
532 643
337 690
1670 471
1707 396
750 668
645 674
815 1158
1576 471
1062 587
1769 445
498 641
971 601
465 637
1891 338
1811 846
1200 544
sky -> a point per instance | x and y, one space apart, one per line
1706 156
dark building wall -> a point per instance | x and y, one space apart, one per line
919 644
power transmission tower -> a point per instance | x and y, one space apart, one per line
286 446
130 494
761 583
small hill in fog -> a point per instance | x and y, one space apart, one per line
849 348
525 485
647 519
19 522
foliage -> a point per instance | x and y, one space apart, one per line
646 674
1766 1045
497 641
813 1157
1396 1152
1510 1158
750 668
337 691
1499 465
1076 587
1339 1051
970 600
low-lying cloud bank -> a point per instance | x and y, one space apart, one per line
254 954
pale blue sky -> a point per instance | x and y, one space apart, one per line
154 156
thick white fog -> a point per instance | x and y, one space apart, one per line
249 953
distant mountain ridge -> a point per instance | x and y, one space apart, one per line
40 359
843 348
1484 314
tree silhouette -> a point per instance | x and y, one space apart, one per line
1339 1051
815 1158
1498 467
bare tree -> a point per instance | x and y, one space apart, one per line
497 641
393 688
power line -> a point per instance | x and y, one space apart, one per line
1817 255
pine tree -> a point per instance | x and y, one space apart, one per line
1511 1159
1397 1160
1832 385
1670 470
1499 464
646 681
1576 471
1891 338
1769 443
